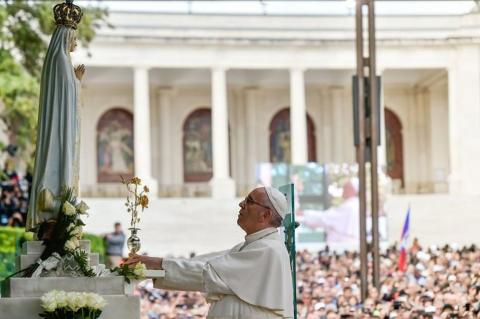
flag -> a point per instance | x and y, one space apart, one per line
402 259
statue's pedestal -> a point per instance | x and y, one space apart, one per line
121 307
21 296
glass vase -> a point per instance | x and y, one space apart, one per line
133 242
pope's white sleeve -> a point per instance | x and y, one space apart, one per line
191 275
181 274
213 283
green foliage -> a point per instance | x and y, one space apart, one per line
81 257
25 27
19 94
82 313
7 265
11 240
126 271
97 245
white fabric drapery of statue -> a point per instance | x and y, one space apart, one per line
57 149
251 280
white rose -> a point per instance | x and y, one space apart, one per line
81 301
71 226
61 299
139 270
51 294
82 207
100 303
89 300
95 301
78 230
70 245
49 305
48 301
69 209
72 301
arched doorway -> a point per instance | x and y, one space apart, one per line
197 146
115 156
280 138
394 145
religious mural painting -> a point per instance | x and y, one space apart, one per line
197 146
280 138
394 145
115 152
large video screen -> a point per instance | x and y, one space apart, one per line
326 201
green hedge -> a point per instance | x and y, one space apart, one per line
12 238
97 244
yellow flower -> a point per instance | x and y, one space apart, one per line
135 180
143 201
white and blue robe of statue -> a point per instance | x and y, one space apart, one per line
251 280
57 149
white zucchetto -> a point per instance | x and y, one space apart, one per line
278 200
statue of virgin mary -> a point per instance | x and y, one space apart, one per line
57 150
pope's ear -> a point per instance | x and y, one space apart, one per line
268 214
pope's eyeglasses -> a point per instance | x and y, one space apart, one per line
249 200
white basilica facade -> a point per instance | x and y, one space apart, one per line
192 103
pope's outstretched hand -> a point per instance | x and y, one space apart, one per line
150 262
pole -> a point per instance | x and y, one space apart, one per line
361 151
373 142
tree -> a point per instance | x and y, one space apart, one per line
25 29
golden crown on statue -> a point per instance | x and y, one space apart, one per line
67 14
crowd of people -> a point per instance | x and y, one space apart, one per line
438 283
14 192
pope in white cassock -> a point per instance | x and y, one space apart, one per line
251 280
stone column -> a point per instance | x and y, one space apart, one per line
298 118
251 105
421 140
338 124
382 150
464 117
439 159
141 125
166 157
326 126
222 184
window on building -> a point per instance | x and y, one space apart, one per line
115 146
394 145
197 146
280 138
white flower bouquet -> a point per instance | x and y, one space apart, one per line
137 272
71 305
64 239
